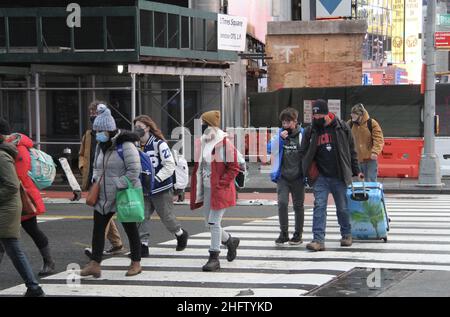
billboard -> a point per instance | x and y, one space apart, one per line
333 9
413 43
398 29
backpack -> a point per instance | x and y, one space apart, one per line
147 169
181 174
43 168
241 178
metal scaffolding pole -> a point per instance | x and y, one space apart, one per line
38 110
182 112
30 114
133 99
222 101
80 110
94 97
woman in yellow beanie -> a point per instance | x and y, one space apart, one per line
215 169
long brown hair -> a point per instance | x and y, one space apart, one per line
151 124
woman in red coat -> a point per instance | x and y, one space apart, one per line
215 169
29 223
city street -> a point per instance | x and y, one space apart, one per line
419 242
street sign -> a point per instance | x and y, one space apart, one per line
444 19
442 40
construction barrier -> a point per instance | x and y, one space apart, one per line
400 158
252 142
442 149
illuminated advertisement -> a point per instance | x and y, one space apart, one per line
398 21
413 44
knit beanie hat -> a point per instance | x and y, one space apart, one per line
320 106
212 118
4 127
359 109
104 120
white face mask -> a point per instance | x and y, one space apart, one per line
355 117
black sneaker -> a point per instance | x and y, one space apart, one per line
38 292
182 241
144 251
282 239
118 250
296 239
88 252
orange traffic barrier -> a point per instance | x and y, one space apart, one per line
400 158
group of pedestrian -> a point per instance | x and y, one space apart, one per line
15 162
325 156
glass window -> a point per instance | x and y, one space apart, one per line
90 36
146 28
174 31
2 32
185 34
160 29
22 32
55 32
121 32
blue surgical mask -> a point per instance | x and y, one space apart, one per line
102 137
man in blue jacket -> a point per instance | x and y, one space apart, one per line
288 175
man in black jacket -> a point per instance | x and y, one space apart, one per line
328 147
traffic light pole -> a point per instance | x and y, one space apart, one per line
430 172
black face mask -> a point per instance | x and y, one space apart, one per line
140 132
92 119
319 123
204 127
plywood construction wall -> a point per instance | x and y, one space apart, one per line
318 60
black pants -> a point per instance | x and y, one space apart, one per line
98 237
297 190
31 227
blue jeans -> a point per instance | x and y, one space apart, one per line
322 188
370 170
213 221
20 261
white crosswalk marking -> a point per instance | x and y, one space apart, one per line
41 219
419 239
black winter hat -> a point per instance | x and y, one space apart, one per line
320 106
4 127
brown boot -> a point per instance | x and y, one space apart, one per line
134 269
92 268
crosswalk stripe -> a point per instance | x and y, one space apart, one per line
356 245
308 234
112 290
419 239
260 228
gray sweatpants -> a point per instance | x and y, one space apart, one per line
297 190
163 204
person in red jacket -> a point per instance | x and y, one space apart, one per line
216 167
29 223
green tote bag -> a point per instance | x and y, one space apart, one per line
130 204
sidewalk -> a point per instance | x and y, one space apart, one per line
259 187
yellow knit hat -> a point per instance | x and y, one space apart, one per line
212 118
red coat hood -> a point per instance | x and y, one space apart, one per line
24 141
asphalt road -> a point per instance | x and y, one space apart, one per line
70 235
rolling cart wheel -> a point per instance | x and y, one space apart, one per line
385 240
